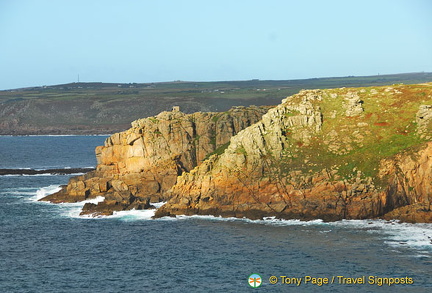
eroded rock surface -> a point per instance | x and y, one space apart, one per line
138 166
321 154
311 158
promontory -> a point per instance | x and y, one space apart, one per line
347 153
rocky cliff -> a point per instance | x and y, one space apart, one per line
348 153
137 166
332 154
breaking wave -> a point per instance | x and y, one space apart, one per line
396 234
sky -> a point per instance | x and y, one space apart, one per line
47 42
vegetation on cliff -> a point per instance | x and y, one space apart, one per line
138 166
350 153
346 153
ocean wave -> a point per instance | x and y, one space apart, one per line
415 236
19 191
73 210
44 191
44 172
36 175
395 234
130 215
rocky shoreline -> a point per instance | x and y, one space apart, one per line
57 171
349 153
140 165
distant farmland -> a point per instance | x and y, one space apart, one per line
101 108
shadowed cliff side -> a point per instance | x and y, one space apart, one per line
332 154
137 166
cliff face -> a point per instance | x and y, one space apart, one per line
333 154
409 179
349 153
138 166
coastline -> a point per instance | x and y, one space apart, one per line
303 159
56 171
55 135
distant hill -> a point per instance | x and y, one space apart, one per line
102 108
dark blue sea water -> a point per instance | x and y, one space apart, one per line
49 248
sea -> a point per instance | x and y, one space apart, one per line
48 247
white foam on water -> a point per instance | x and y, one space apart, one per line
265 221
44 191
42 175
279 222
395 234
73 210
158 204
26 175
95 200
418 236
20 188
133 215
130 215
19 191
66 209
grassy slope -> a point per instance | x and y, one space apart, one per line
99 107
386 127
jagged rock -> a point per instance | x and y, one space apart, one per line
107 207
142 163
258 175
424 120
414 213
296 161
353 105
409 178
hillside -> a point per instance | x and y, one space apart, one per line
100 108
346 153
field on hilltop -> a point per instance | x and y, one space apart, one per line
100 108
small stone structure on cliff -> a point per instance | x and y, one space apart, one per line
138 166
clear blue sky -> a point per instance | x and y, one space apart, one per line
45 42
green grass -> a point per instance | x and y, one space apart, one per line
385 128
119 104
241 150
219 151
